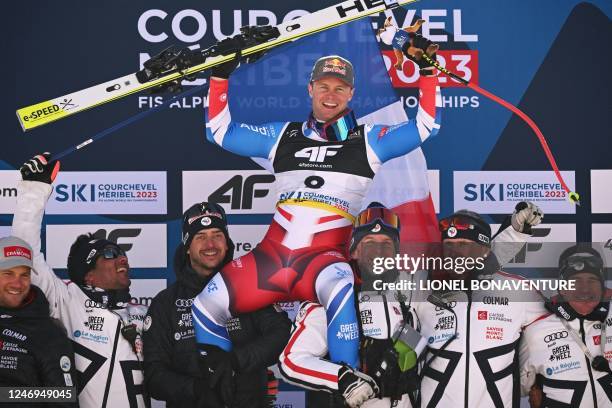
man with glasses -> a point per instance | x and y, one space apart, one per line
565 357
95 307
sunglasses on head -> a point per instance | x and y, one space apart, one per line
369 215
459 223
582 262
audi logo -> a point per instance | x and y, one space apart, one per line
555 336
183 302
93 303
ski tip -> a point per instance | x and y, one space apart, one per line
574 197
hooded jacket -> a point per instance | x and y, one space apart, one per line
172 372
34 349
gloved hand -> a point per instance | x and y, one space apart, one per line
423 46
38 168
387 373
526 215
206 397
356 387
225 70
217 368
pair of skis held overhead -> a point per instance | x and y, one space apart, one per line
169 68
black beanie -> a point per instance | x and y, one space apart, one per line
581 258
375 226
202 216
82 256
478 231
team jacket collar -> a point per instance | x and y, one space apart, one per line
109 299
563 309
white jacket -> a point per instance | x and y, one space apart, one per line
549 350
110 372
479 368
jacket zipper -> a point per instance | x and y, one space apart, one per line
112 365
467 352
588 364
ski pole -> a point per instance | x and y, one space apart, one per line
124 123
572 196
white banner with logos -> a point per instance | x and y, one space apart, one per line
5 231
8 190
239 191
602 234
144 290
497 192
601 191
542 250
109 192
144 244
245 237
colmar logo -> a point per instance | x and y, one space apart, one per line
597 340
18 251
483 315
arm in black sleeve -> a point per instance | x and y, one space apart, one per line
55 358
161 381
274 328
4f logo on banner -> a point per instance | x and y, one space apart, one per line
240 193
116 234
318 153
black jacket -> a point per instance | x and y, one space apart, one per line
34 349
170 355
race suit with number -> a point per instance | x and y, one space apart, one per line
321 186
551 357
479 368
109 368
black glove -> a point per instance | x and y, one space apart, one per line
355 386
387 374
205 396
217 368
225 70
38 168
425 47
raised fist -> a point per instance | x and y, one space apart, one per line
526 215
40 169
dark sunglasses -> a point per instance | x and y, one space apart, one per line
110 252
370 215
